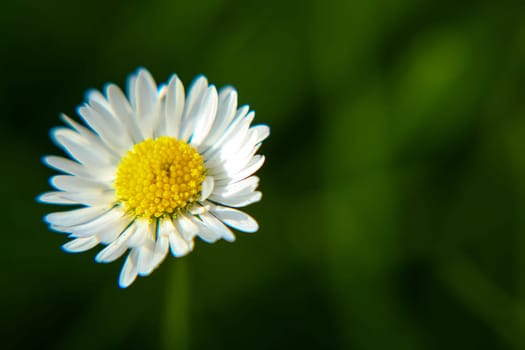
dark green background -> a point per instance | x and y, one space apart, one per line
394 188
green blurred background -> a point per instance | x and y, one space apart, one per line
394 188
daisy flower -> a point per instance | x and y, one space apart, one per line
150 171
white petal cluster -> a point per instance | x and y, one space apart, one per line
208 120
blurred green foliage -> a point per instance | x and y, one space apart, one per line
394 189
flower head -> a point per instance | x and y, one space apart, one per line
151 171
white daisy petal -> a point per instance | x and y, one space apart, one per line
92 139
75 183
106 126
95 198
70 167
207 234
204 116
173 107
197 89
65 165
238 149
161 250
121 143
106 221
234 163
74 217
129 270
113 231
239 138
228 132
244 186
111 253
80 149
80 244
195 94
146 261
234 172
116 248
207 187
146 92
238 201
225 114
255 164
196 209
55 197
151 170
187 228
211 224
140 235
123 112
263 131
146 99
177 243
131 90
178 246
239 126
94 96
236 219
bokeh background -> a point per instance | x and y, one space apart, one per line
394 190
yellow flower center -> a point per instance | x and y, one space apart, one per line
159 177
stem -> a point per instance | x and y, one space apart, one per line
176 317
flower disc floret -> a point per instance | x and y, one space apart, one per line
159 177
